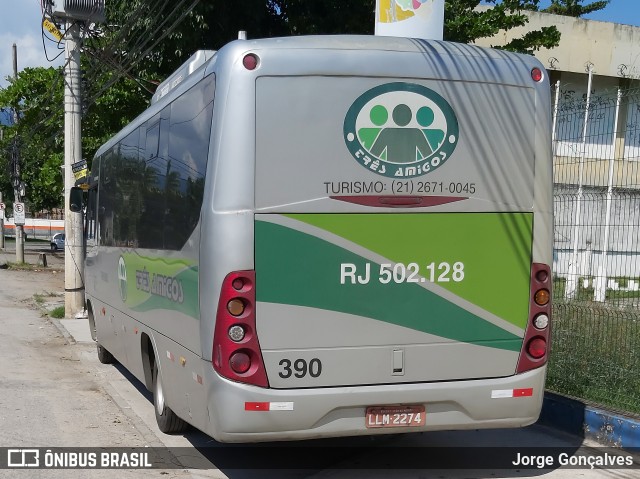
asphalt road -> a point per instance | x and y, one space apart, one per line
54 393
32 250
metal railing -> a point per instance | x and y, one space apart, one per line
595 352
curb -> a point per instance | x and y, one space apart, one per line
67 336
577 418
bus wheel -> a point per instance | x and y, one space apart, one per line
167 420
104 356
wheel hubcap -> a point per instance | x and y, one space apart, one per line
159 395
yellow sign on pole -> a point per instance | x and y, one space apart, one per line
79 170
52 29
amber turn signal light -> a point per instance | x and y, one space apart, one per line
542 297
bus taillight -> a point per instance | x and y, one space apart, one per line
236 351
536 74
535 347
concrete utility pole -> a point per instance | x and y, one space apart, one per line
74 251
17 182
1 223
2 207
73 14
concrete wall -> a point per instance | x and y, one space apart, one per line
612 48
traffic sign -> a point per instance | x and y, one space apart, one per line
18 214
2 206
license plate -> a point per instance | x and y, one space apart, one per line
395 416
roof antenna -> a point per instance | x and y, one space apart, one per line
242 35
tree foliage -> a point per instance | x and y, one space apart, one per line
574 8
213 23
465 23
40 167
38 95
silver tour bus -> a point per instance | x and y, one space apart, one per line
330 236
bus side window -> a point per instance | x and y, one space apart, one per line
107 188
91 223
153 137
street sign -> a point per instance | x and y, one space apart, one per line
79 170
49 25
18 214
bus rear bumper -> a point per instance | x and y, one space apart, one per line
243 413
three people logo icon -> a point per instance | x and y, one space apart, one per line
401 143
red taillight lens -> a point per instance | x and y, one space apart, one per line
534 351
236 351
240 362
542 275
250 61
537 348
536 75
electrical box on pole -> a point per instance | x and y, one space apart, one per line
88 10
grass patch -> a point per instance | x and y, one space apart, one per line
40 298
22 266
614 295
586 294
57 313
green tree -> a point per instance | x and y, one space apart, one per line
154 38
38 94
464 23
40 168
574 8
212 24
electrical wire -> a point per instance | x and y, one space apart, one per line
107 65
164 35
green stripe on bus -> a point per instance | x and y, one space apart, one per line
155 283
295 268
495 249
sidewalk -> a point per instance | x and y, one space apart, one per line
48 283
76 329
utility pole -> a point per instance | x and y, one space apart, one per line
18 187
1 222
1 205
73 14
74 250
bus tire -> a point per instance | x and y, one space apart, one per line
104 356
168 421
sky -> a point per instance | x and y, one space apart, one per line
23 19
22 26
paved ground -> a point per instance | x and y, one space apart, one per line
52 390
